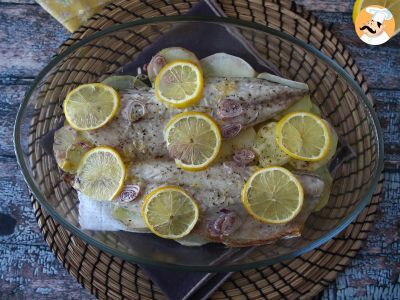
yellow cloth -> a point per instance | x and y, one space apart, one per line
72 13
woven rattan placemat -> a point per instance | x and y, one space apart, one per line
303 277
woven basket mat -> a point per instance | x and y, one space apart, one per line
303 277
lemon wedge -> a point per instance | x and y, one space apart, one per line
273 195
91 106
179 84
170 212
193 139
101 174
303 136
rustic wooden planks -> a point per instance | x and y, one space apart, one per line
28 39
374 272
28 269
32 272
343 6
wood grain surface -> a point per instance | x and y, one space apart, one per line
28 269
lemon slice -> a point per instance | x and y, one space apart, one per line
91 106
392 5
170 212
123 82
101 174
193 139
315 165
273 195
303 136
179 84
268 151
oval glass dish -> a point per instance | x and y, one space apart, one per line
339 97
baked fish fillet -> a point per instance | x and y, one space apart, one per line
257 100
217 190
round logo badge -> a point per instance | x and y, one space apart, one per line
375 25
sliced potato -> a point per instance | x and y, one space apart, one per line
74 156
131 217
244 140
226 65
312 166
267 149
323 172
64 138
69 147
179 53
303 105
284 81
192 240
315 109
169 55
125 82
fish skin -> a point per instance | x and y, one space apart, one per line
253 233
260 100
247 90
216 189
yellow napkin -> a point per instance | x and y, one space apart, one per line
72 13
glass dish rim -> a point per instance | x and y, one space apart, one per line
201 268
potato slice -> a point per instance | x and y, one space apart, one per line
244 140
226 65
284 81
267 149
131 217
69 147
169 55
123 82
323 172
303 105
315 109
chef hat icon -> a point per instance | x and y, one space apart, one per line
379 14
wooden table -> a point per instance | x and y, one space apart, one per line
28 269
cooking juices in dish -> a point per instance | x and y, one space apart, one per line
207 151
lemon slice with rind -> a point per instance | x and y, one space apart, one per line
193 139
273 195
91 106
303 136
101 174
179 84
170 212
315 165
